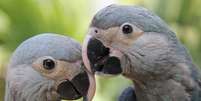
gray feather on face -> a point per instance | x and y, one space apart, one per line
24 83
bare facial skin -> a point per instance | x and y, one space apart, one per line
62 70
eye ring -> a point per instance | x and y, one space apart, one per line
49 64
127 28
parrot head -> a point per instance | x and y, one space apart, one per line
130 40
48 67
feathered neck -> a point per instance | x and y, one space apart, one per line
25 84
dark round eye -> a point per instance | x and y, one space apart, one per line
127 29
96 31
48 64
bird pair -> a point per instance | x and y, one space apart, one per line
127 40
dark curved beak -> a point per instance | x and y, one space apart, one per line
74 89
97 57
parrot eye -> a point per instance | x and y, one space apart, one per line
127 29
96 31
48 64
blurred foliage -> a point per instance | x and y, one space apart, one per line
2 89
22 19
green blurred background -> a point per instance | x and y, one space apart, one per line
21 19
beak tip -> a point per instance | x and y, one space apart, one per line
92 88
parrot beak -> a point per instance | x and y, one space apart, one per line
81 85
98 58
92 87
75 88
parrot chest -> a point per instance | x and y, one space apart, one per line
169 90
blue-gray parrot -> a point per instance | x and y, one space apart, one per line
136 43
47 67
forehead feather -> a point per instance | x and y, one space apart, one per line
56 46
116 15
